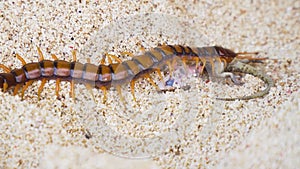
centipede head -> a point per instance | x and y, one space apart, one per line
227 54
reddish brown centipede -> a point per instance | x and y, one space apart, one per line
220 61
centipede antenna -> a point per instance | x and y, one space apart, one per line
251 58
5 68
20 58
247 53
247 57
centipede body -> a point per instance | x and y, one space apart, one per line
104 76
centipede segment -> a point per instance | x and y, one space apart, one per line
215 60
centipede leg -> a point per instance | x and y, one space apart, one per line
102 62
132 86
141 47
72 92
157 70
110 57
212 64
197 62
5 68
43 80
54 57
127 53
16 89
197 66
74 55
149 78
90 89
57 89
41 87
40 54
88 60
27 84
170 68
5 86
203 66
103 88
20 58
184 61
118 87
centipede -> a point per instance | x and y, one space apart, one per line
220 61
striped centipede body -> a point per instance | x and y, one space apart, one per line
220 61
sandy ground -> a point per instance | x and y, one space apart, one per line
181 129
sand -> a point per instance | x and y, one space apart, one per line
181 129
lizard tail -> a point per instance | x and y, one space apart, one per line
248 69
